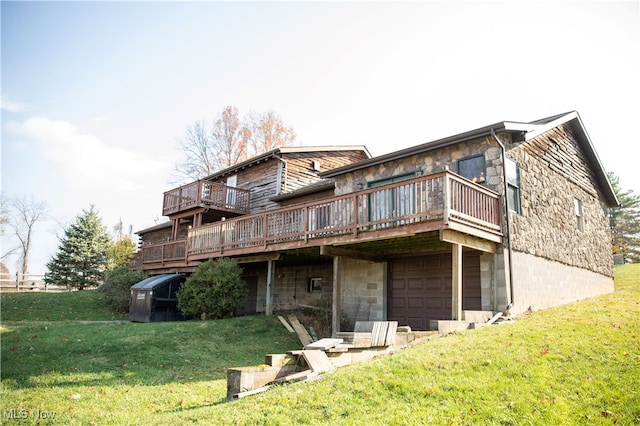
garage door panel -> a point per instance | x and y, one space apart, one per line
433 283
415 303
434 303
415 283
417 323
398 302
398 284
413 265
472 303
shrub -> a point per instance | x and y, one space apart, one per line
215 290
117 287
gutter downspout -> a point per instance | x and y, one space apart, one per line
506 208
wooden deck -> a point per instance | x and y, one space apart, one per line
439 201
206 194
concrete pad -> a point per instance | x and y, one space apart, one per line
449 326
477 316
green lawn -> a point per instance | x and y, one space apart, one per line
56 306
576 364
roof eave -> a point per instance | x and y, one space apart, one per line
286 150
307 190
425 147
596 164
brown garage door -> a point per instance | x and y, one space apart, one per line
420 288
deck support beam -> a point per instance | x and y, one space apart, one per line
336 305
353 254
467 240
271 269
456 281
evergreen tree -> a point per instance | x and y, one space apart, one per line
81 258
625 222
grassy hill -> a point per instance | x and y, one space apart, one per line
576 364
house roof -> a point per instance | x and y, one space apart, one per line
312 188
528 130
276 152
166 224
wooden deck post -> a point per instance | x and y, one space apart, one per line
175 230
270 278
336 305
456 281
446 195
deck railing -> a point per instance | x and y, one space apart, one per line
208 194
443 196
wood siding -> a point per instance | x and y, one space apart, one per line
261 179
264 182
560 152
299 170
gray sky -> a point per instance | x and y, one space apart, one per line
94 95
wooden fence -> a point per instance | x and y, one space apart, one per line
20 282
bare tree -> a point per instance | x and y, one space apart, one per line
5 220
200 155
229 138
27 212
4 214
268 132
229 141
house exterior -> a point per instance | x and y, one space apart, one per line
510 216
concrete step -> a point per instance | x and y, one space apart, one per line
449 326
477 316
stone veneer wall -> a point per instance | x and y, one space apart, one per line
554 172
363 291
428 163
542 283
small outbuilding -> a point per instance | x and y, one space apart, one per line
154 299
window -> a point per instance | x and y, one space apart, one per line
231 193
393 202
577 208
473 168
512 171
315 285
320 217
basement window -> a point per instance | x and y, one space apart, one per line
577 208
315 285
